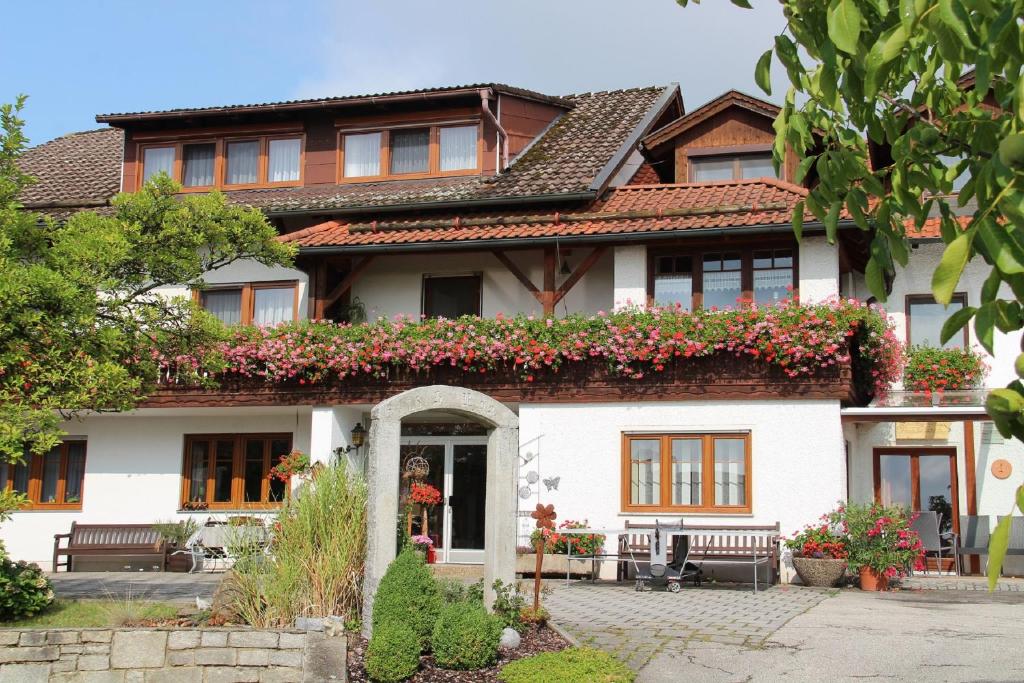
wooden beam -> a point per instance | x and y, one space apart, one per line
319 290
349 280
520 275
971 483
549 281
580 271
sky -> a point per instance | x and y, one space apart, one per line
78 58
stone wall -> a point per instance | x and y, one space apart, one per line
178 655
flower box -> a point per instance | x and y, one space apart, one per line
553 564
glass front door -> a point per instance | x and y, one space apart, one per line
919 479
458 468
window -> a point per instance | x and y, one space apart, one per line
233 470
673 281
731 167
197 165
52 480
362 155
925 319
451 296
157 160
918 479
257 161
257 303
686 473
458 148
410 152
719 279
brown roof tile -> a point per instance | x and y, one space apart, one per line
627 209
74 171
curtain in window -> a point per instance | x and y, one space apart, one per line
223 471
686 467
283 165
75 472
670 290
410 150
198 165
362 155
253 473
730 472
197 473
645 472
225 305
273 305
706 169
243 162
20 484
51 474
458 148
772 285
156 160
722 289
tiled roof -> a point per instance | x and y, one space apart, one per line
931 230
327 101
566 160
74 171
627 209
705 111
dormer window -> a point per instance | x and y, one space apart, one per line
705 168
227 163
410 152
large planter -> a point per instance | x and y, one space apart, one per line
819 572
553 564
180 562
871 580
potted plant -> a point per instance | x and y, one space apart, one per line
424 544
819 552
176 535
556 546
295 464
881 544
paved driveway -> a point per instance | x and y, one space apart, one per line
636 627
799 634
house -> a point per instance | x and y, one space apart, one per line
494 200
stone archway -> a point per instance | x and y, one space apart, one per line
383 477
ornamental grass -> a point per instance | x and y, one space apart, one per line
799 339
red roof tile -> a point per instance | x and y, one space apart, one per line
627 209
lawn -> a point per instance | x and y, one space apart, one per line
95 614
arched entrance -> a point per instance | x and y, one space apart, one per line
383 475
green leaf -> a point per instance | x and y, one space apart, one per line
951 19
984 325
844 19
955 323
1004 251
990 288
745 4
763 72
803 167
1020 498
950 268
875 278
997 546
798 220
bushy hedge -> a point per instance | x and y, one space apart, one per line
24 590
466 637
408 594
574 665
393 654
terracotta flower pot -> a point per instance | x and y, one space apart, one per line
871 580
819 572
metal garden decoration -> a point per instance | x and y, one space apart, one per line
545 516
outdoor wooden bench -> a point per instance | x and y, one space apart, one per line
108 540
736 547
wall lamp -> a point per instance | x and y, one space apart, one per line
357 440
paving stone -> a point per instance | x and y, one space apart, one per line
94 663
215 656
184 674
61 637
286 658
181 640
181 657
214 639
267 639
292 641
233 674
253 657
97 636
29 654
9 637
280 675
138 649
89 677
32 638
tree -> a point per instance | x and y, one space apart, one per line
81 319
936 85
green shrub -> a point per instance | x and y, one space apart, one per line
509 602
393 654
408 594
466 637
24 590
574 665
454 590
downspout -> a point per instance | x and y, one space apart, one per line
486 108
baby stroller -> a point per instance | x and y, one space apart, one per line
673 573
